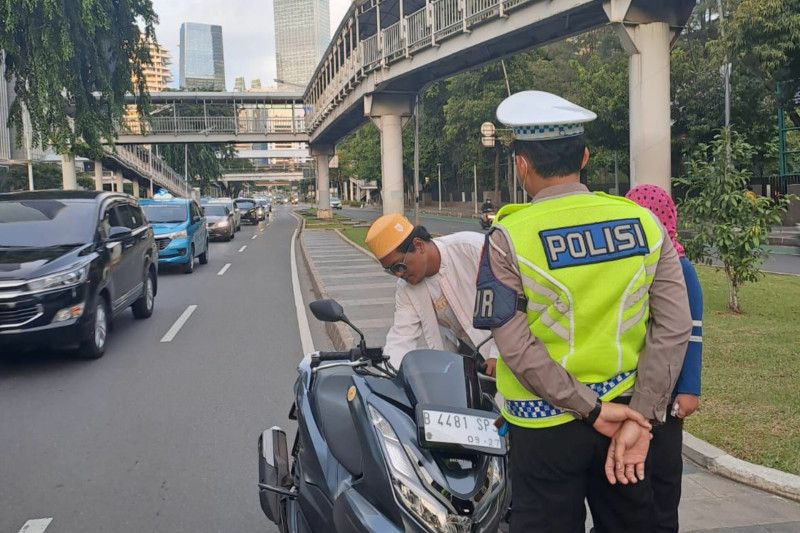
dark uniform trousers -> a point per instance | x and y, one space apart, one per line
665 467
554 469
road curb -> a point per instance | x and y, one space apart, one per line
761 477
339 335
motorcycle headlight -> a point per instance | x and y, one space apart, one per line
407 487
178 234
61 280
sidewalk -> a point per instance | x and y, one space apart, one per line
710 503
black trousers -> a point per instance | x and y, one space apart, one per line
665 465
554 469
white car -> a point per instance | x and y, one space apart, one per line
335 203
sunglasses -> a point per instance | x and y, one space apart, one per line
397 269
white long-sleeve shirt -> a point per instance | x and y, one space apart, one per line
416 322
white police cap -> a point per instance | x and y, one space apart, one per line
541 116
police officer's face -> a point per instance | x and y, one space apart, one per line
410 266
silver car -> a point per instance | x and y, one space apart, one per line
229 203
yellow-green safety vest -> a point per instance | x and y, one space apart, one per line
587 262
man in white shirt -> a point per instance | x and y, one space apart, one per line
435 295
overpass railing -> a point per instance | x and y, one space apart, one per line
146 164
210 125
437 21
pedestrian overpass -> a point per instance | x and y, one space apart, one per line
386 51
214 117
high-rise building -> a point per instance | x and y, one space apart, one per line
202 64
157 74
302 33
238 84
255 85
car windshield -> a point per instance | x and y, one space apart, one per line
165 214
215 210
245 205
46 223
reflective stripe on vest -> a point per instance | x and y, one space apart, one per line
586 262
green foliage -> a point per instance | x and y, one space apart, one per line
45 176
206 161
61 54
360 154
726 222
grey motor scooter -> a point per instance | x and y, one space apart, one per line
385 450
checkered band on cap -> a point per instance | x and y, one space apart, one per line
543 409
543 133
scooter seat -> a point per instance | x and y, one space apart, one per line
333 417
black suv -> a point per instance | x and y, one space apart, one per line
248 210
69 262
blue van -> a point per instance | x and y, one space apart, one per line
180 231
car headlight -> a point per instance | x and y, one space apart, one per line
61 280
407 487
222 223
178 234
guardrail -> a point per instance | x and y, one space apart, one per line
437 21
210 125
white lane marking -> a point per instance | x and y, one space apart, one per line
306 342
254 237
176 327
243 248
36 526
224 269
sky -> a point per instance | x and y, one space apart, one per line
248 33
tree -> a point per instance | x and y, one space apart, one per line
764 37
726 222
360 154
78 59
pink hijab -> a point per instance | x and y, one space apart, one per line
660 203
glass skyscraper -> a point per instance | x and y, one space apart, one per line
202 63
302 33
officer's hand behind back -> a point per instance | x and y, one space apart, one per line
612 415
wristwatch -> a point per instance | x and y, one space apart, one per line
594 414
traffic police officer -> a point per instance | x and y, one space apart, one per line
587 303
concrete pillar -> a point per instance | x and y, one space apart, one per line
322 157
152 189
136 193
649 85
389 112
118 181
98 175
392 163
69 178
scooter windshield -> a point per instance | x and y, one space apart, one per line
434 377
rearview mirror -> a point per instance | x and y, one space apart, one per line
328 311
118 233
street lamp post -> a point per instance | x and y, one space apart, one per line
439 165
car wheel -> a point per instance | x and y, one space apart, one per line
94 346
239 227
204 256
143 307
188 268
232 234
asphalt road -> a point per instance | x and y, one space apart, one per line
159 436
778 263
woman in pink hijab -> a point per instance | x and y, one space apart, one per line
664 459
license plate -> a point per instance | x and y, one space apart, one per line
467 430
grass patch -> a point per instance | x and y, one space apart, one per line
357 235
751 371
